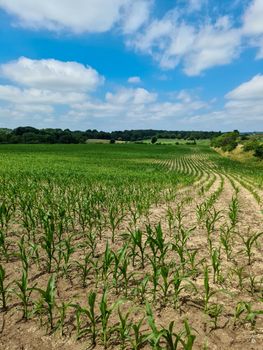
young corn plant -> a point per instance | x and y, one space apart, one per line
239 272
214 311
193 264
68 250
226 240
141 288
187 338
116 215
108 259
120 267
84 267
23 254
180 246
126 275
93 319
171 220
155 276
165 283
123 328
254 285
233 211
6 211
48 300
157 243
249 243
155 334
138 247
48 240
105 313
216 264
4 245
250 313
172 339
180 283
62 309
137 338
208 293
24 293
91 242
4 288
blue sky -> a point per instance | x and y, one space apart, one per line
122 64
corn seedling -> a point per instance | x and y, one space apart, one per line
48 300
155 334
239 272
62 309
105 313
226 240
124 327
141 289
249 243
214 311
84 267
165 283
216 263
208 293
137 339
138 244
24 293
4 288
172 340
233 211
3 244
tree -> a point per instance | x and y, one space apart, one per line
154 139
259 152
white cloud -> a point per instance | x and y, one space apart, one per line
51 74
18 95
214 45
250 90
78 15
136 14
195 5
243 109
134 80
171 41
253 18
131 96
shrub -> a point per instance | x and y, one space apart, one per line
227 141
259 152
154 139
251 146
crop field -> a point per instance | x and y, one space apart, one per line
129 246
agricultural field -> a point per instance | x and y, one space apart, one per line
129 246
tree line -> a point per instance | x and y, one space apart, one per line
28 134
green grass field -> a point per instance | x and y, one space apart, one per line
129 246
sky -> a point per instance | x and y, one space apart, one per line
132 64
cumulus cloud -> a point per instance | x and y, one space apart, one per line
131 96
78 16
195 5
51 74
243 109
18 95
253 18
172 41
136 14
134 80
250 90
